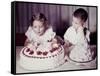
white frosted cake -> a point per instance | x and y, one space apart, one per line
43 57
81 54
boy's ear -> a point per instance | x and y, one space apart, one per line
83 23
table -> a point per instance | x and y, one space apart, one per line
69 65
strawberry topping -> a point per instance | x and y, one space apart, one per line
45 53
31 52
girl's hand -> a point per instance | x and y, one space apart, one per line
55 45
36 44
54 40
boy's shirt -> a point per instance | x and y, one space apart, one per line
75 37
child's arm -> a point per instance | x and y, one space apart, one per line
67 43
27 41
29 36
58 40
55 42
68 46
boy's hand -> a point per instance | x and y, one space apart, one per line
67 43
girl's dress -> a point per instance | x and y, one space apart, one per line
33 37
81 51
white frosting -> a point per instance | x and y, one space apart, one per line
80 54
40 62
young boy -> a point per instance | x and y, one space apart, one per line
77 36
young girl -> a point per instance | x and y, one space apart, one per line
42 49
39 32
77 36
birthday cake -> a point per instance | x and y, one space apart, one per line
81 54
43 57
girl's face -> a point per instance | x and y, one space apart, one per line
76 22
38 27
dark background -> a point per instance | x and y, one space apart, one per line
59 17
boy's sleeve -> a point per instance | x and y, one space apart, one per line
70 36
28 33
66 35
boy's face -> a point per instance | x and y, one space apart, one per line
38 27
77 22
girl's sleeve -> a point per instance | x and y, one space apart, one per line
28 33
50 34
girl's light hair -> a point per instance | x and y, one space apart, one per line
40 17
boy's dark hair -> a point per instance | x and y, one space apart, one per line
81 13
40 17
